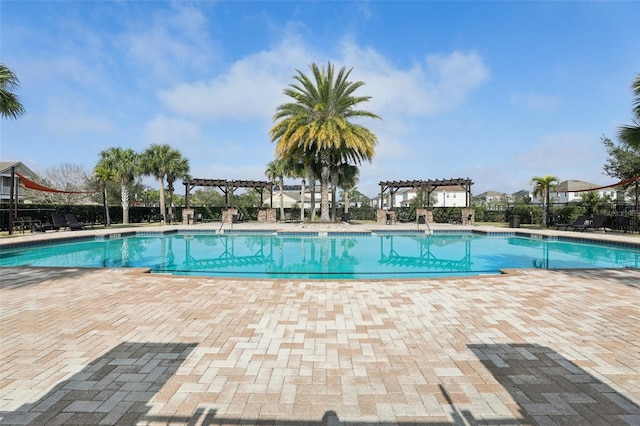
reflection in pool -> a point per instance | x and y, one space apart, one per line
340 256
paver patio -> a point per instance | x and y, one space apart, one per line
126 347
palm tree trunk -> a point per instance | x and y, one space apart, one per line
124 194
325 176
312 188
546 208
302 202
346 200
107 218
334 189
281 187
163 212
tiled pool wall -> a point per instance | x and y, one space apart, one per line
118 235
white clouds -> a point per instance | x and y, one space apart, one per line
172 131
169 44
250 89
455 76
439 84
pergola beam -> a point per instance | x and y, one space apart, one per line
228 187
430 185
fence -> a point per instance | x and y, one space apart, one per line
528 213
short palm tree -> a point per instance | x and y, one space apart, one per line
275 172
157 161
104 175
347 180
630 135
295 169
123 163
10 106
542 185
319 121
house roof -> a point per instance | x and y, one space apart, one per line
5 169
491 194
575 185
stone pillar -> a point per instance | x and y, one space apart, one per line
381 216
187 216
468 216
229 214
427 212
267 215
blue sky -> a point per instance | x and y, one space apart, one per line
497 91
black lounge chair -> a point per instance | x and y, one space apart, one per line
596 224
31 223
580 221
74 223
58 221
61 221
19 224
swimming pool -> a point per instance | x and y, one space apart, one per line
324 255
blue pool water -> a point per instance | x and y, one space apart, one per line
315 257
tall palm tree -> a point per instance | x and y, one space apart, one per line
124 164
156 161
10 106
319 120
630 135
104 175
542 185
275 172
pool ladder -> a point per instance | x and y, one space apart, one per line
426 222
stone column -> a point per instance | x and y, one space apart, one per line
468 216
267 215
229 214
188 216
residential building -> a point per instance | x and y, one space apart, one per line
291 196
571 190
450 196
5 178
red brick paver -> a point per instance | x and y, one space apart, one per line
125 347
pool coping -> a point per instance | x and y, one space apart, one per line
61 237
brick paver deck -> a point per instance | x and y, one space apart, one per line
125 347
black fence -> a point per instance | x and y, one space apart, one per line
617 214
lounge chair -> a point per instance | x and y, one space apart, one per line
31 223
595 224
580 221
18 223
74 224
346 217
58 221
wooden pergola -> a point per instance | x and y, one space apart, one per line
423 186
228 187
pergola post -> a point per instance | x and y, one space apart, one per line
12 202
